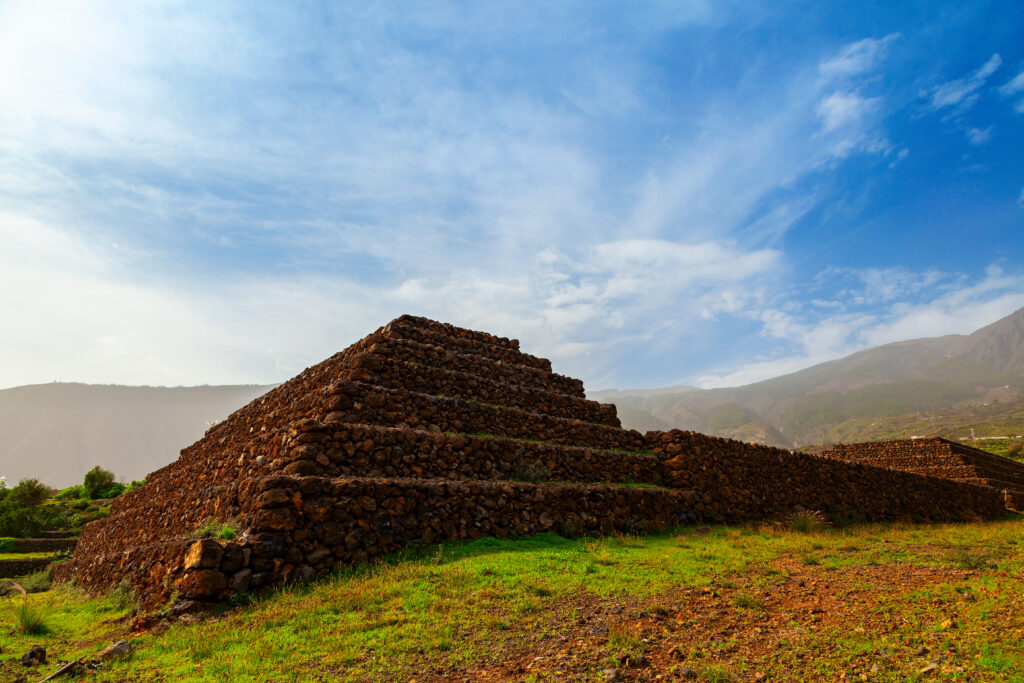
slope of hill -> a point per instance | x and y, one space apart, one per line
832 401
57 432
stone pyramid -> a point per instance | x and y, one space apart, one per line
421 432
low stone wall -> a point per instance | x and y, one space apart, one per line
10 569
42 545
337 450
366 404
394 374
749 481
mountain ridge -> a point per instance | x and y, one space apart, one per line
885 381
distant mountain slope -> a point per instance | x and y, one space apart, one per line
57 432
952 372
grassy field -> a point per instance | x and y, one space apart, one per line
871 602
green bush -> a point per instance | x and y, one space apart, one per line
215 528
125 598
113 491
97 481
76 492
24 522
38 582
29 493
807 521
30 621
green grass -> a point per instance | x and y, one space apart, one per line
25 556
212 527
459 606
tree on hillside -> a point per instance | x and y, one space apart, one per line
29 493
98 482
22 512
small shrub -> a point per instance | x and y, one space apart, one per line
624 642
38 582
1014 450
29 493
810 560
970 558
76 492
112 491
806 521
215 528
747 601
717 674
532 474
125 598
30 621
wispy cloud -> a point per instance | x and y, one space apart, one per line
1013 88
962 93
979 136
889 305
857 58
838 110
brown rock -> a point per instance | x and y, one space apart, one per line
275 519
205 553
203 584
121 648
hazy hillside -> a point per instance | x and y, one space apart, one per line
57 432
841 398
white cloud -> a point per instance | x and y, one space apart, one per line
1020 198
979 136
962 92
856 58
77 319
1012 88
1014 85
839 110
915 305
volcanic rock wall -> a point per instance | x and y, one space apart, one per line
939 457
424 432
750 481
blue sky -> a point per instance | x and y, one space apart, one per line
647 193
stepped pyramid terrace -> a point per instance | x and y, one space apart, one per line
939 457
424 432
